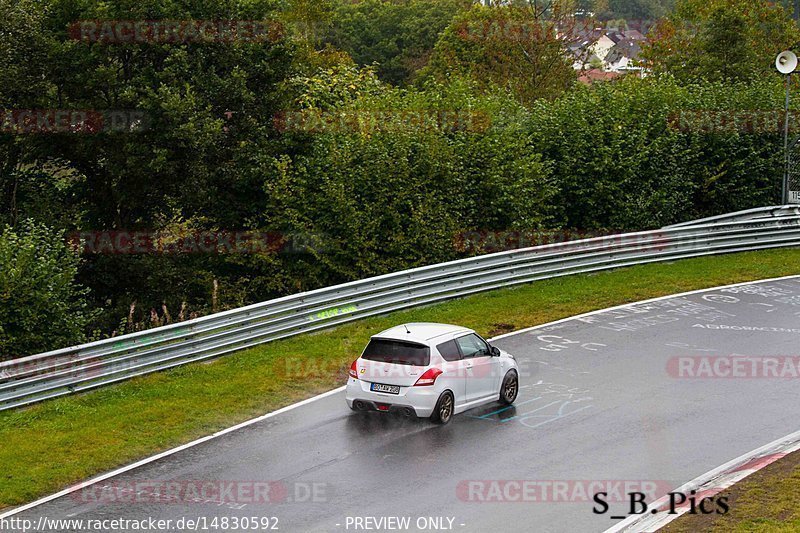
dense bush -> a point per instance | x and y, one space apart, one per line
392 186
41 306
622 160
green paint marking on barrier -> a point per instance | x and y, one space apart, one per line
123 345
329 313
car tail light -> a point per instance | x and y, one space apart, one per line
428 378
354 370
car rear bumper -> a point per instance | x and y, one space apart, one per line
394 409
421 400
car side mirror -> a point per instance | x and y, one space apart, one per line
495 351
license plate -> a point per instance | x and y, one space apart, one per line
389 389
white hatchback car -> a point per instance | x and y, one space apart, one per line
430 370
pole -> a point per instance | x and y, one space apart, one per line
785 191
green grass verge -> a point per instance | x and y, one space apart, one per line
51 445
767 501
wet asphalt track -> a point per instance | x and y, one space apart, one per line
597 403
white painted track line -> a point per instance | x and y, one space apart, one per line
167 453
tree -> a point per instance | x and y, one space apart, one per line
397 36
310 20
208 110
24 44
41 306
520 47
641 10
734 40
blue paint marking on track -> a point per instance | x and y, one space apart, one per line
506 408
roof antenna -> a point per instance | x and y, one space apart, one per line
407 331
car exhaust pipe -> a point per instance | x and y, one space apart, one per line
409 412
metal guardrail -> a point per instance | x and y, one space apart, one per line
80 368
748 214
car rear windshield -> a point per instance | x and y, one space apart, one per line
397 352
